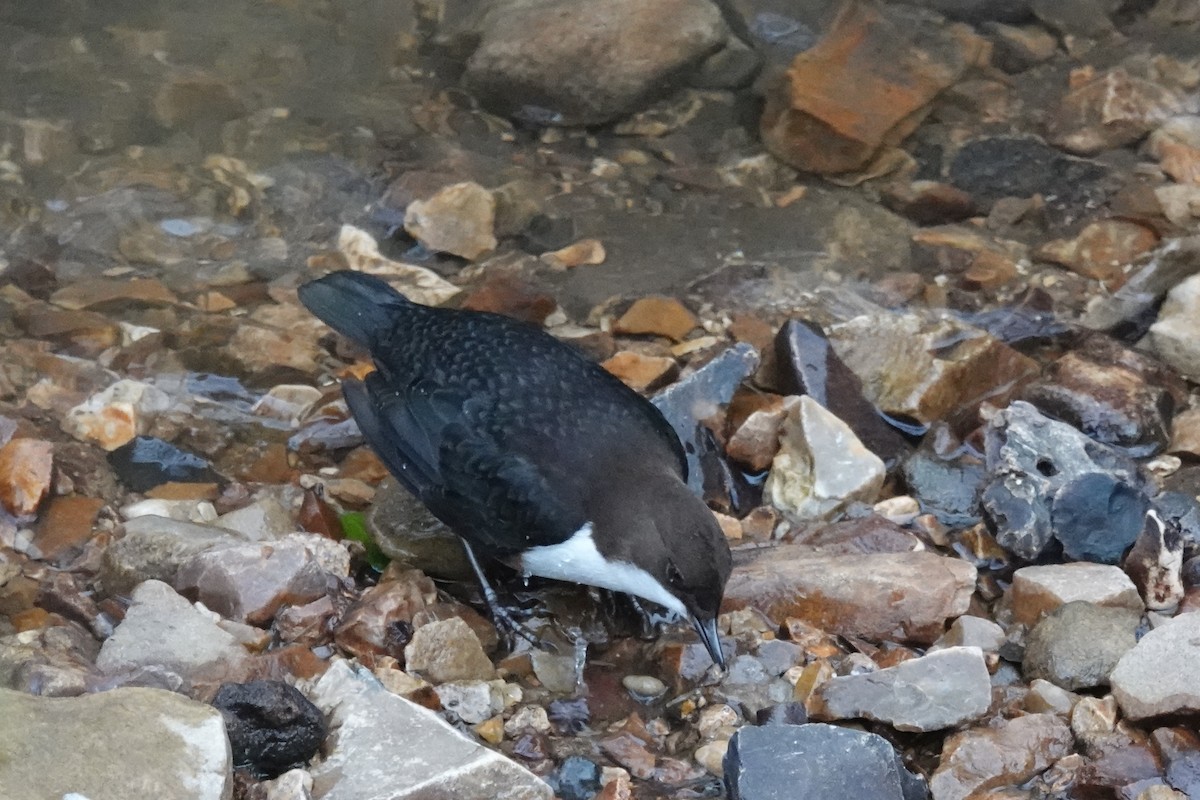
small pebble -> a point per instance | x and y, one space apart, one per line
645 687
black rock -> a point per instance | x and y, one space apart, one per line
816 762
1182 510
809 365
1097 517
146 462
575 779
1022 166
783 714
272 727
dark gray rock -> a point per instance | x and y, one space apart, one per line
145 462
949 488
575 779
1096 517
272 727
815 762
407 533
1031 458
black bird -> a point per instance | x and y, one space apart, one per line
532 454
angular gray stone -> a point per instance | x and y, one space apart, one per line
1077 645
1158 676
448 650
383 747
163 630
1031 458
250 581
969 631
936 691
1036 591
1176 334
114 745
815 762
153 548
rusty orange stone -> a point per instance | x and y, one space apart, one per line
657 316
66 524
26 469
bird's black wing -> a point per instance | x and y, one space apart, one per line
495 498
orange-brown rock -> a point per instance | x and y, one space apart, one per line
906 597
1109 111
1102 250
99 291
1176 145
641 372
26 469
657 316
863 87
509 295
65 524
1185 433
584 252
755 441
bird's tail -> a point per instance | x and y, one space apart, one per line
354 304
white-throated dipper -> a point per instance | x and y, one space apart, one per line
529 452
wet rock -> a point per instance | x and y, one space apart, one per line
1185 433
425 755
1114 395
930 202
527 64
870 58
272 727
1096 517
755 441
558 671
813 761
657 316
1036 591
503 293
119 413
994 167
1102 250
1034 459
1176 334
408 534
1180 749
1113 110
448 650
153 741
1016 48
92 293
266 353
1078 644
1176 145
938 380
459 220
821 467
867 534
576 778
1156 677
287 403
1155 562
265 519
644 686
946 486
189 97
26 469
65 525
699 396
470 701
1132 307
418 284
808 364
1005 755
162 630
936 691
381 621
584 252
154 547
145 462
641 372
879 596
249 582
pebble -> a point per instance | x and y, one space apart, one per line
1156 677
448 650
821 466
1176 334
26 469
1185 433
152 741
418 284
1036 591
459 219
425 755
163 631
656 316
878 596
1008 754
1078 644
941 690
117 414
971 631
472 701
644 687
640 372
154 547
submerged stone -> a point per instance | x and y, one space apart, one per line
146 461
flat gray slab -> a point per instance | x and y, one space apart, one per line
383 747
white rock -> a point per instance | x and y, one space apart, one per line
418 284
821 466
1158 676
1176 334
459 219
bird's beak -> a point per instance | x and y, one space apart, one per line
707 628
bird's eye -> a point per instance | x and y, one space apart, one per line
673 575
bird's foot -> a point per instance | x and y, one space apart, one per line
511 627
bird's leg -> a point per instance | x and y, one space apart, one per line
501 616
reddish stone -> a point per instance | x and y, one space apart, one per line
26 469
65 525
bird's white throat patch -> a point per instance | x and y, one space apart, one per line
577 560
